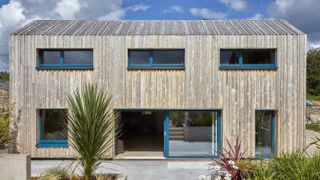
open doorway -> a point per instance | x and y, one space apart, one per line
142 134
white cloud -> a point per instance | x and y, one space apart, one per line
256 16
237 5
139 7
11 14
315 44
121 13
118 14
207 13
20 12
173 9
303 14
68 8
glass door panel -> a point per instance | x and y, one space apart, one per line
192 133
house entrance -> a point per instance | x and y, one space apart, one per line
141 134
169 133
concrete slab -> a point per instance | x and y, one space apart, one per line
15 166
139 169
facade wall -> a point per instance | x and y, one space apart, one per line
238 93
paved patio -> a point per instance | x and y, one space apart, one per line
139 169
151 169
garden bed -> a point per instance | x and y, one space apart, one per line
99 177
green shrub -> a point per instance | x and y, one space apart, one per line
56 173
262 171
4 76
296 166
5 135
313 126
206 120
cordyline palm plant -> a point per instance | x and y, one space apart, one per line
92 126
228 159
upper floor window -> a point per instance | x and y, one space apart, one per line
156 59
65 59
248 59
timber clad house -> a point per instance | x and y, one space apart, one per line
183 88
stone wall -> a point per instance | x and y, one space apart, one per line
313 114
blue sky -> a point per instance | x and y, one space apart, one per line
164 9
304 14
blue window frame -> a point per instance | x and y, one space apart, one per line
52 128
264 133
156 59
248 59
55 59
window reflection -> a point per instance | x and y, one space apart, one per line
264 132
192 133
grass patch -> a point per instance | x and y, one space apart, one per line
296 166
313 127
314 98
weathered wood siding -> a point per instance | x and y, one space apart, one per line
238 93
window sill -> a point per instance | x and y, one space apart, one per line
65 67
53 143
248 67
263 156
157 67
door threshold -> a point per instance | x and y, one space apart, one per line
141 158
137 157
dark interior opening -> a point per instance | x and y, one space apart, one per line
141 131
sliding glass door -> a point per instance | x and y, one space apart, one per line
192 133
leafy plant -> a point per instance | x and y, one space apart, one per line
229 158
296 166
316 142
313 126
313 72
257 170
5 134
92 126
4 76
56 173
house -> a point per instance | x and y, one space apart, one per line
183 88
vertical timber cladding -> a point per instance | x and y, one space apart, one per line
238 93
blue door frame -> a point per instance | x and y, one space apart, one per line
166 136
273 149
166 129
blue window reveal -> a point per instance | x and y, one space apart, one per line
264 133
248 59
156 59
53 128
65 59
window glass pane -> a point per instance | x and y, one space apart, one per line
78 57
54 124
264 132
229 57
168 57
50 57
192 133
258 56
139 57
